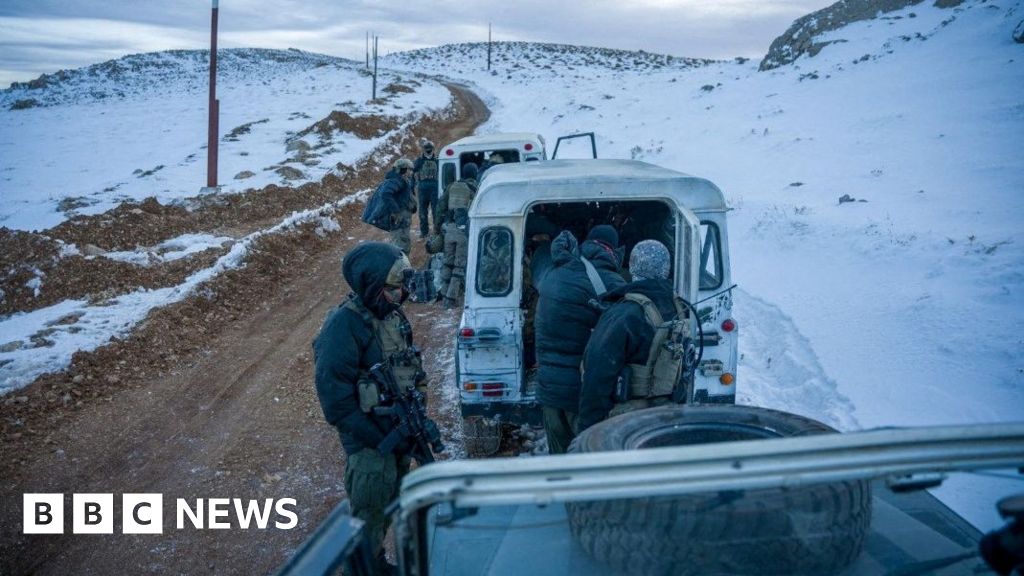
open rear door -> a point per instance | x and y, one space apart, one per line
687 254
593 143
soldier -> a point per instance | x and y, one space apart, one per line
573 278
398 202
453 219
633 359
368 328
425 175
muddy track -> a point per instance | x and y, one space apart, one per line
212 397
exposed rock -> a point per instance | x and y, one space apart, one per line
948 3
12 346
846 198
244 174
297 145
289 173
799 39
24 104
93 250
1018 33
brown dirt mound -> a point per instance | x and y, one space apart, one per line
365 127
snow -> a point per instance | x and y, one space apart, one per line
174 249
75 325
139 131
902 310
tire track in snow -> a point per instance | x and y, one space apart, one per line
779 369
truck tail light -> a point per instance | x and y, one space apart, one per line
494 388
449 152
726 379
528 147
469 386
728 325
467 332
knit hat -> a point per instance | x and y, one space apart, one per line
605 234
649 260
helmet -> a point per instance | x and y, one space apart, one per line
427 145
435 244
470 170
403 164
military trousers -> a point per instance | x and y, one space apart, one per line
558 427
426 196
372 481
456 254
400 235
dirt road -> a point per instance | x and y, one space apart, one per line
215 399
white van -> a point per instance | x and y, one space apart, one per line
686 213
513 147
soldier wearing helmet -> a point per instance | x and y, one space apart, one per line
425 172
453 220
366 329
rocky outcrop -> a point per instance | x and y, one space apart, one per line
800 38
1018 33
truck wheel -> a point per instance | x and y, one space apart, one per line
482 436
817 529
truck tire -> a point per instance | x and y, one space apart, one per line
816 529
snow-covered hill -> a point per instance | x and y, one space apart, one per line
903 307
83 141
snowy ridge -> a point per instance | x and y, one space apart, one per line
139 74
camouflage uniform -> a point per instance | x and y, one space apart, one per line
453 208
366 329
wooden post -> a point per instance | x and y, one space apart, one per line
367 49
214 104
375 38
488 46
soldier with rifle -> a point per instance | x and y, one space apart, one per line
371 385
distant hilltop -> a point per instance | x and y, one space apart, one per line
801 37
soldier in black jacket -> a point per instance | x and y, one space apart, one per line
623 338
425 173
565 316
368 328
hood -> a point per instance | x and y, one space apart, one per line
366 269
564 248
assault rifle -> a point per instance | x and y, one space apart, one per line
407 410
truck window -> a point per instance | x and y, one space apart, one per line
447 175
494 263
710 256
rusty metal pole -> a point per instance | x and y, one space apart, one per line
214 128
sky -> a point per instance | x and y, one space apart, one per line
43 36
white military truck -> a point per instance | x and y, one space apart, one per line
699 490
517 203
484 150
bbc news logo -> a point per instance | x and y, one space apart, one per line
144 514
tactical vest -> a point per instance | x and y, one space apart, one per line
460 194
664 367
428 170
394 335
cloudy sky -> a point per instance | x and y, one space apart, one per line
38 36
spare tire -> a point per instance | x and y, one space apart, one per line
815 529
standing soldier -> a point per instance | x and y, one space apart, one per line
397 201
637 354
453 220
368 328
564 320
425 174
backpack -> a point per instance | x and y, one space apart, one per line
376 213
672 357
428 170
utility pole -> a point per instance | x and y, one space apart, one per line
488 46
367 49
214 128
375 38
